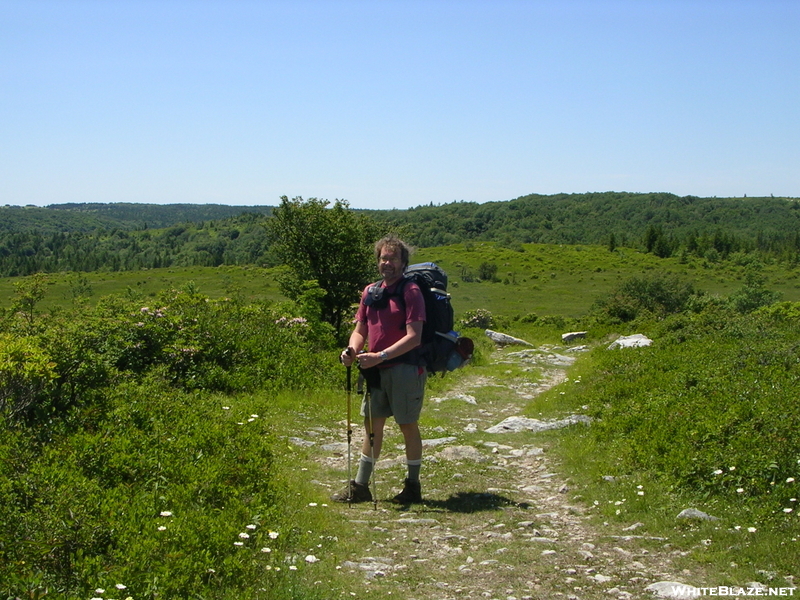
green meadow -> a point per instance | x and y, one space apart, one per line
146 416
542 279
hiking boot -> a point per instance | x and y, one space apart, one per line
353 492
412 492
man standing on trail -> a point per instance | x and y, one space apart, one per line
393 327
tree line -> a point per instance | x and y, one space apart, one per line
118 237
662 223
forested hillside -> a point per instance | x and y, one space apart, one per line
660 220
235 241
88 237
87 217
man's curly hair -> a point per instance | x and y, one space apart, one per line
392 242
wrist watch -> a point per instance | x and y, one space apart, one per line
383 355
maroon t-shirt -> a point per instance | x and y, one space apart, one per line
388 325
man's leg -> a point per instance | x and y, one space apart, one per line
412 490
369 455
413 439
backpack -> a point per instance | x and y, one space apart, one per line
441 349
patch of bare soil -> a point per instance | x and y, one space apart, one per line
499 521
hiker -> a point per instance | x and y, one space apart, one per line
393 328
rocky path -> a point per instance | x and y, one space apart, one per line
500 521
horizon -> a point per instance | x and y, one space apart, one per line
397 104
789 198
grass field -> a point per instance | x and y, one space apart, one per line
541 279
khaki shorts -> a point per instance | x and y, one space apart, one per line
401 394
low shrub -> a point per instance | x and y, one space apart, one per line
168 491
191 341
657 294
479 318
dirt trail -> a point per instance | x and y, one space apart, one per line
499 520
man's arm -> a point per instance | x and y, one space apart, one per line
408 342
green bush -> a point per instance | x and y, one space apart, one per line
168 491
26 373
128 470
753 294
479 318
657 294
193 342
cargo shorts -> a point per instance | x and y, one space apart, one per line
400 395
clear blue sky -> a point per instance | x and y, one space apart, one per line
395 103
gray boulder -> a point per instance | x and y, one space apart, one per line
504 339
693 513
636 340
572 335
516 424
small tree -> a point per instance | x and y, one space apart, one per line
753 294
27 294
332 246
487 271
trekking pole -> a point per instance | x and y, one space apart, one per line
371 432
360 390
349 388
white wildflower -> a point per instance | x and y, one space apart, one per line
739 490
162 528
244 536
273 535
238 543
752 529
718 472
266 550
293 568
312 504
787 510
311 558
790 480
640 492
731 468
166 513
121 586
99 591
251 527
